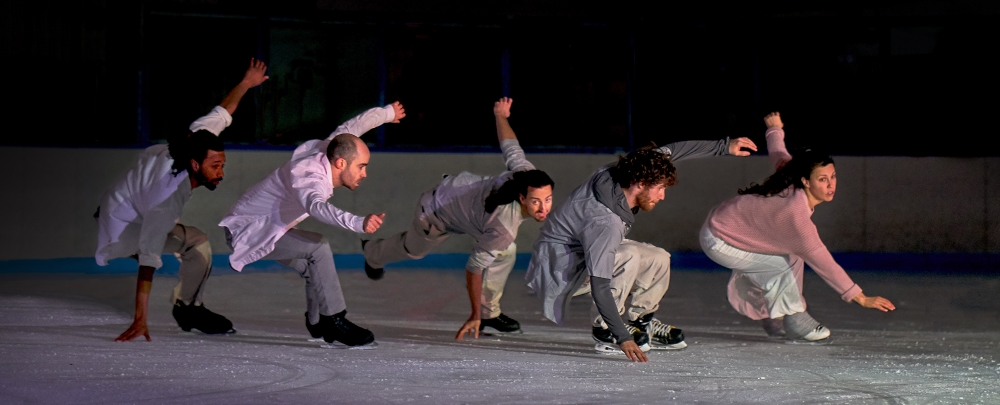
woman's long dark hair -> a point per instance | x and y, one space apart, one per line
516 187
791 174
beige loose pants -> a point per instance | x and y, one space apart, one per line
640 279
190 246
427 232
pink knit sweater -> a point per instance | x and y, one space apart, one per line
779 225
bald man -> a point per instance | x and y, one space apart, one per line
261 225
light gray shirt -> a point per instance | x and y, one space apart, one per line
581 236
460 203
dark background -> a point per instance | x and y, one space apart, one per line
916 78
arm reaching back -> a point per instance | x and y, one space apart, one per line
370 119
698 149
776 140
222 115
513 155
252 78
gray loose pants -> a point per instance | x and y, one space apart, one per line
427 232
309 254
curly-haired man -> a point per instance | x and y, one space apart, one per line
586 237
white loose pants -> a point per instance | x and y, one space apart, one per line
762 285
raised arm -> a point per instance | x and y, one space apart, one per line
513 155
370 119
253 77
222 115
775 135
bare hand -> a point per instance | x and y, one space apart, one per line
255 73
773 120
633 352
736 146
471 327
501 108
878 303
138 328
372 222
399 112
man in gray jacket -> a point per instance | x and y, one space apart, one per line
585 236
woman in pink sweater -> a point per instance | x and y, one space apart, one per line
766 234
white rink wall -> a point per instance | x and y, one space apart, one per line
883 204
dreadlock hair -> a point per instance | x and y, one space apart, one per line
645 165
194 145
791 174
517 186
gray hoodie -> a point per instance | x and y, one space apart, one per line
580 237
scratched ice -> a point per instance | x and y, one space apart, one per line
56 346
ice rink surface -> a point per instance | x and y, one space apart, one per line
56 345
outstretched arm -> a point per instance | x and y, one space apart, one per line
698 149
142 286
513 155
222 115
474 284
253 77
370 119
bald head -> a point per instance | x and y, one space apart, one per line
348 160
345 146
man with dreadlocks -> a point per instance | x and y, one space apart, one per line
584 241
490 209
138 216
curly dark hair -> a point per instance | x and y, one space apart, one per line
646 165
517 186
193 145
790 175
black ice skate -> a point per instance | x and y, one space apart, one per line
341 333
661 335
196 316
502 324
372 272
317 335
605 342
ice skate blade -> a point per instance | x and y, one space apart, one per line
341 346
673 346
226 333
821 342
604 348
489 331
316 340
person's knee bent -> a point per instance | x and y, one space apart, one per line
194 236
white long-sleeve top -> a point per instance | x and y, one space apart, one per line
139 211
291 193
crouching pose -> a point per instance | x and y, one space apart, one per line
490 209
261 224
766 234
138 216
584 240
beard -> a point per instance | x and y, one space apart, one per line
202 180
644 202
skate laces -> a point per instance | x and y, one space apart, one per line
657 328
